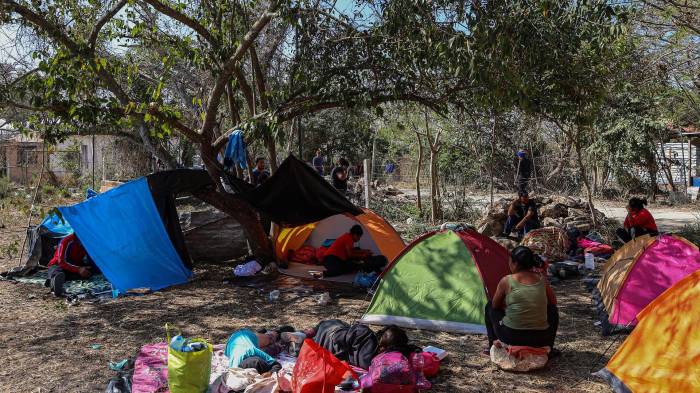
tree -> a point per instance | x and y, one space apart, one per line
257 65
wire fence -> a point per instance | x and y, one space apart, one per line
84 162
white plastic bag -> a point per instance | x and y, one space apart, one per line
247 269
501 358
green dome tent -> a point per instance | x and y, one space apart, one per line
442 281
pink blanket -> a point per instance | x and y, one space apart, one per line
151 369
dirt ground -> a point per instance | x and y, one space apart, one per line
46 345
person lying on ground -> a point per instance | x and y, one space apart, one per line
70 262
579 244
355 344
243 350
522 216
638 221
342 257
395 368
523 311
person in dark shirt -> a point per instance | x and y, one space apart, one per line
70 262
339 175
317 162
524 171
522 216
259 172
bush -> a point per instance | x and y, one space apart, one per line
692 231
5 187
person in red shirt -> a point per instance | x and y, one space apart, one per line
342 257
70 262
638 221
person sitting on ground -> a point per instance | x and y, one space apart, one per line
342 257
244 350
260 175
522 216
70 262
638 221
339 175
523 311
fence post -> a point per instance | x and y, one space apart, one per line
368 173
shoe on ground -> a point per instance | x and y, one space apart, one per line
57 284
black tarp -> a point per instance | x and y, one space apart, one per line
164 187
296 195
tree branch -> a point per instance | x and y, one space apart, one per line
47 27
229 67
102 21
182 18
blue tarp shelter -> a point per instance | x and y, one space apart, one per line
125 236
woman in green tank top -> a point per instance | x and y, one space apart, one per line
523 310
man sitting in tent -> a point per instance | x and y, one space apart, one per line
70 262
342 257
522 216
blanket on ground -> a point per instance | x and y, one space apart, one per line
95 285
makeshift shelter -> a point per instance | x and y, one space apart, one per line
639 272
133 231
661 354
379 235
549 242
442 281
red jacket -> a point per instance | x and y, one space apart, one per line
70 254
641 219
342 247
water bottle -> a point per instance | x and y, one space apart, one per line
349 384
589 261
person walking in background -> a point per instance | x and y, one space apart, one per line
339 175
317 162
524 171
638 221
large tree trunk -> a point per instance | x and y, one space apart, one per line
493 148
419 203
237 208
271 151
434 206
586 183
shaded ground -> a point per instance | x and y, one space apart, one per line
46 345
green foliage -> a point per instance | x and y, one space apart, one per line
691 231
5 187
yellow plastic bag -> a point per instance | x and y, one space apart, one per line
188 372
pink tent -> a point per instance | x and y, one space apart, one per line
666 261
